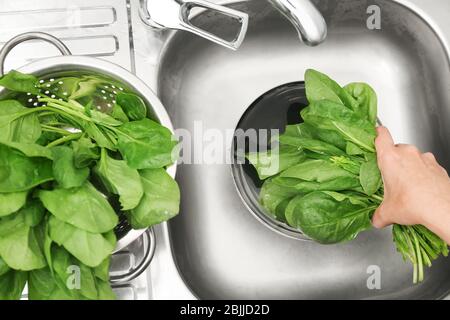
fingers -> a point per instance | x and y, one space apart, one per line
429 159
384 140
384 145
431 162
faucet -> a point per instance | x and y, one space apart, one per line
174 14
305 17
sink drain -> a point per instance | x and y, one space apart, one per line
269 113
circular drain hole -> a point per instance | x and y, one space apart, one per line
268 115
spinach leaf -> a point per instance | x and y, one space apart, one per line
19 172
272 162
110 134
20 82
46 137
12 285
357 136
110 236
47 245
17 123
3 267
31 150
327 218
312 145
302 186
102 270
132 105
42 286
104 119
85 152
118 113
353 149
312 175
161 200
64 170
60 263
321 87
91 286
370 176
83 207
88 285
11 223
145 144
366 99
63 262
306 130
120 179
105 291
11 202
33 213
280 210
332 137
334 112
301 130
21 250
99 136
90 248
273 196
349 132
85 88
346 163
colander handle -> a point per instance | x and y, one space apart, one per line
30 36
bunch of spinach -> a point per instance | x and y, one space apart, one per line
321 175
54 160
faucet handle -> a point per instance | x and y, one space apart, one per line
174 14
308 21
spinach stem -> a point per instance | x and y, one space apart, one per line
28 112
70 104
72 136
378 198
54 129
46 113
68 110
412 251
49 109
418 254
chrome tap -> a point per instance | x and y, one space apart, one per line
305 17
174 14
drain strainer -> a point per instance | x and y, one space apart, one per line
268 114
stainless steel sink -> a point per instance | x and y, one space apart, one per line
216 248
220 249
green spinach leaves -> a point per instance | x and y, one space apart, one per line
120 179
62 164
326 181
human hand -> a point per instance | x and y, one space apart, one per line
416 187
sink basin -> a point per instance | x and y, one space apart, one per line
220 249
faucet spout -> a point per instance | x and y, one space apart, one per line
174 14
305 17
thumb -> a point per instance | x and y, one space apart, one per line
384 140
378 220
